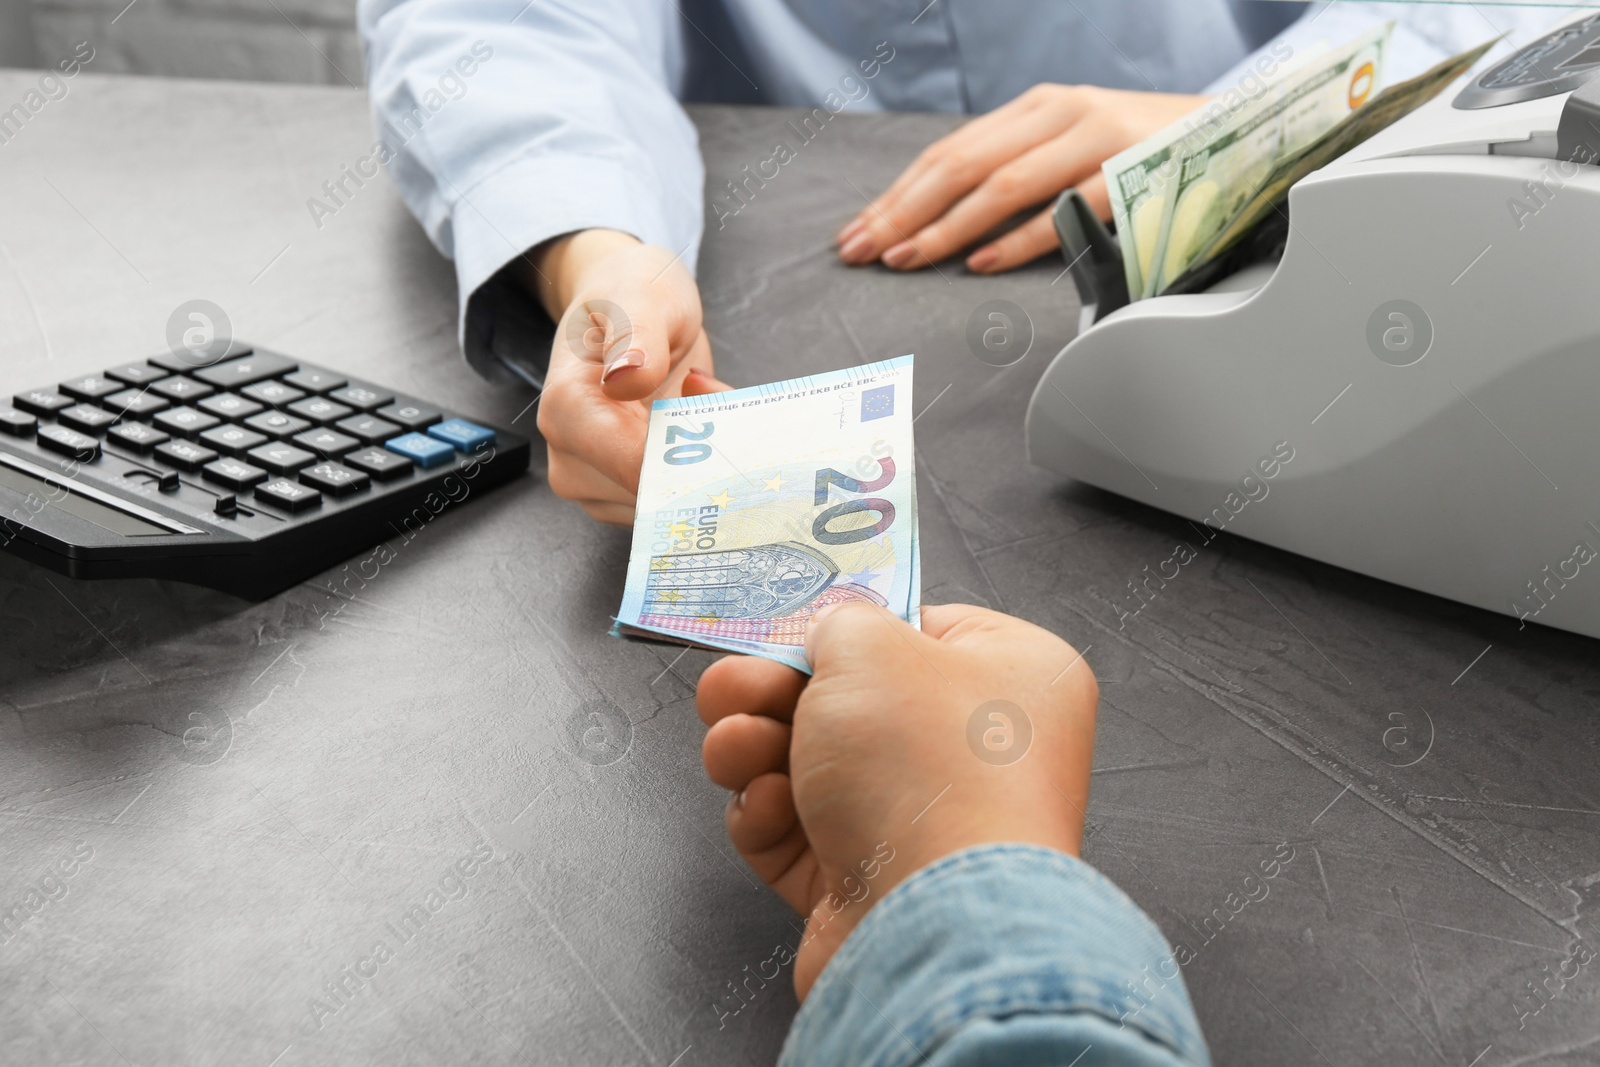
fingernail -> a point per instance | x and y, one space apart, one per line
983 259
633 357
826 609
858 249
851 228
900 255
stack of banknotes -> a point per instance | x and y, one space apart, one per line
759 507
1186 196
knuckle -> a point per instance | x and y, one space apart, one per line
1008 184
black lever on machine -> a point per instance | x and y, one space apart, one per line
1093 256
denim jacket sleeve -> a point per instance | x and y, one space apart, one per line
1000 955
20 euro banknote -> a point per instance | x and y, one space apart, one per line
758 507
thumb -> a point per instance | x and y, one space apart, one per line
629 336
853 632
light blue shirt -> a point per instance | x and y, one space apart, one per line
514 121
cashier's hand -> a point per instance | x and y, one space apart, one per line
1051 138
628 332
840 782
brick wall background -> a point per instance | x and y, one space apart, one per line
258 40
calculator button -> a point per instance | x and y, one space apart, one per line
91 387
17 423
280 458
319 409
41 401
233 473
382 465
334 479
232 440
315 381
228 406
184 455
411 416
368 428
86 417
363 397
136 373
246 371
183 362
79 446
135 436
328 443
287 495
185 422
422 450
464 436
277 424
181 389
136 403
275 393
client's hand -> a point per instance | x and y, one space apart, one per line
1050 138
628 332
904 747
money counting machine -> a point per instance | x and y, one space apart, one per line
1425 353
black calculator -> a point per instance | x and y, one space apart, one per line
247 472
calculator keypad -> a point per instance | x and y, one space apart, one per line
69 443
186 422
277 424
136 403
287 438
280 458
319 409
136 436
17 423
232 440
233 473
91 388
41 401
182 390
185 455
229 406
86 417
335 479
291 496
274 393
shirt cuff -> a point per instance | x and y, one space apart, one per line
994 938
503 330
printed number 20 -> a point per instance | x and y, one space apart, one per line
683 455
876 504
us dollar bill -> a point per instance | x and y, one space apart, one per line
1214 180
1269 193
759 507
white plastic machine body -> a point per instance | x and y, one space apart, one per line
1473 470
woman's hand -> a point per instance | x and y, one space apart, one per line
628 332
904 747
1051 138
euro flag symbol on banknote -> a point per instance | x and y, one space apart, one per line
759 507
877 403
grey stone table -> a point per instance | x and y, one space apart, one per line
252 796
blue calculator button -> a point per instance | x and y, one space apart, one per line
464 435
421 449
